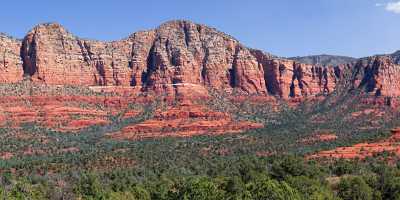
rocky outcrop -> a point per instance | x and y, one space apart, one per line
10 60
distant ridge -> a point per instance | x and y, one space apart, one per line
396 57
331 60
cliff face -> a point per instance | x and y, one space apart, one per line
177 54
54 56
287 78
184 54
377 75
10 60
179 58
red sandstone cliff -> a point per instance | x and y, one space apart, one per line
10 60
180 58
54 56
175 59
378 75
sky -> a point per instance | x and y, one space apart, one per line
285 28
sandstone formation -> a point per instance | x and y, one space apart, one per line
183 59
10 60
287 78
179 58
54 56
378 75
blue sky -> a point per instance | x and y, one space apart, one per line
283 27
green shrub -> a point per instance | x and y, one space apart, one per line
354 188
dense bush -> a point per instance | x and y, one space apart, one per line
277 178
354 188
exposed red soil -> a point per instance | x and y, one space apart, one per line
6 155
371 111
184 121
363 150
62 113
55 116
30 152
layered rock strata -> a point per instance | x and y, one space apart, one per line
182 59
177 58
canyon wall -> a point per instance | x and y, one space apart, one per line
180 58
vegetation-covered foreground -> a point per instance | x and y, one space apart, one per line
266 163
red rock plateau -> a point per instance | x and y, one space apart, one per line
363 150
184 121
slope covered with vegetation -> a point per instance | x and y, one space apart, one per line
41 162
